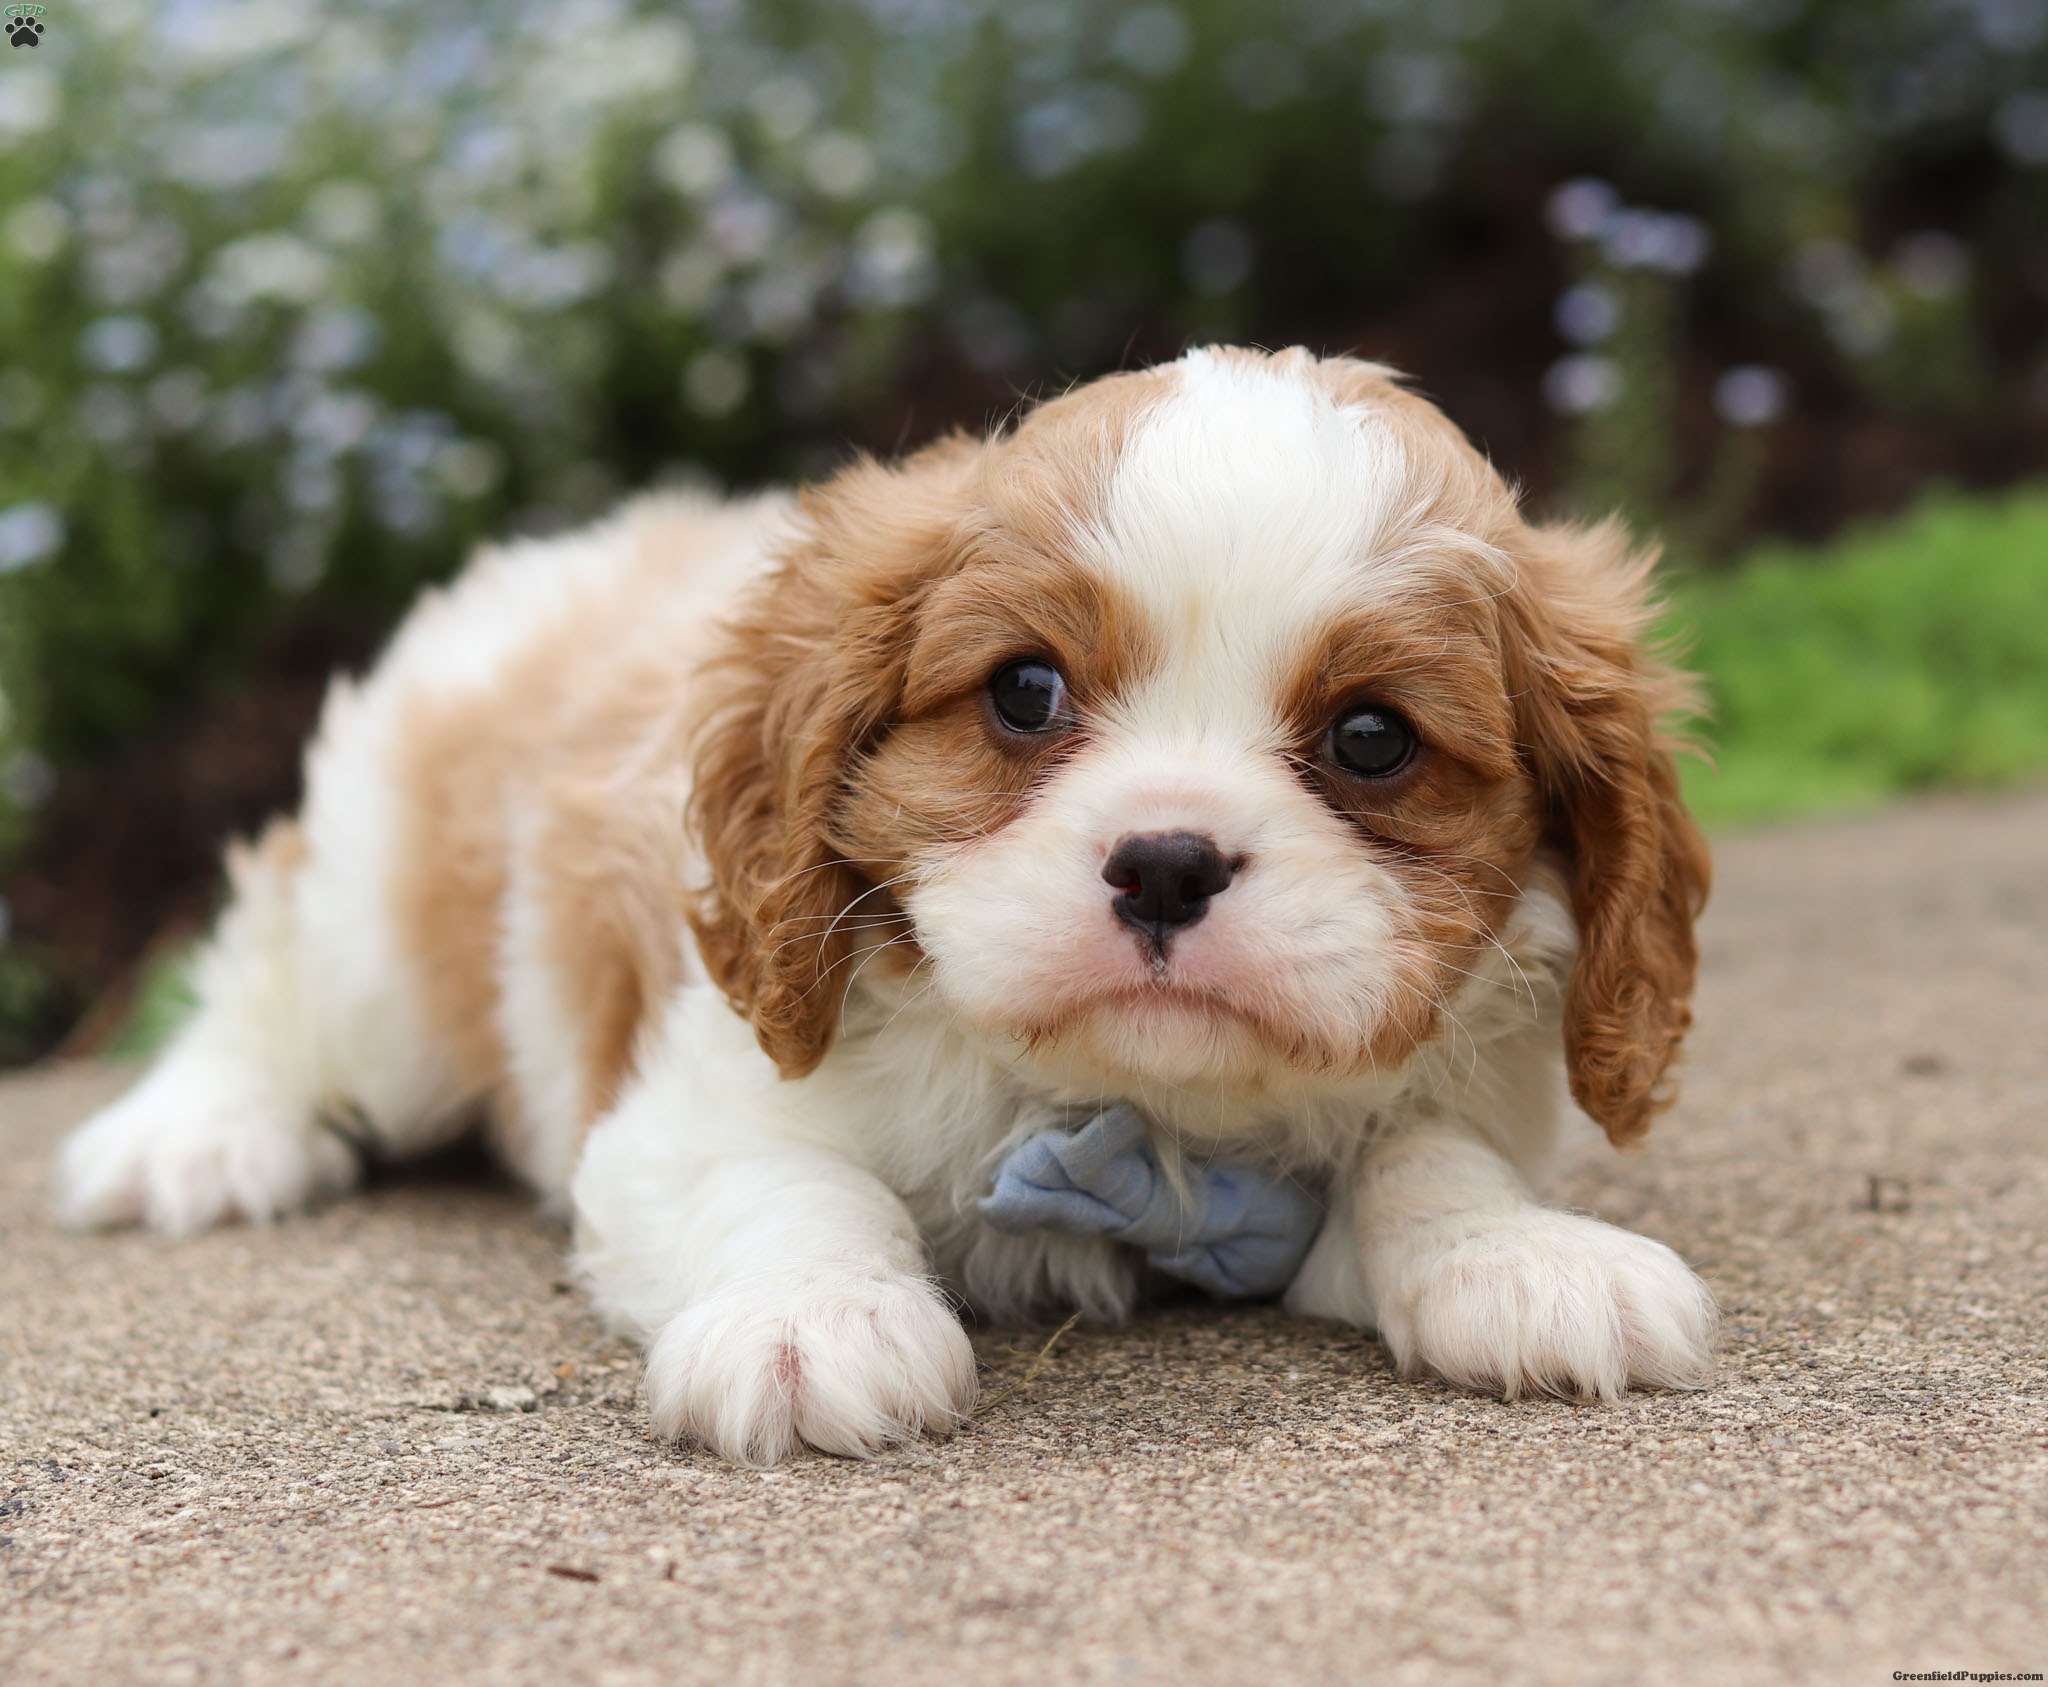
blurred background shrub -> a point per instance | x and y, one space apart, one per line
299 301
1904 655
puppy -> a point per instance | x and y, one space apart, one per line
1218 740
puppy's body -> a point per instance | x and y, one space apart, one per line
688 851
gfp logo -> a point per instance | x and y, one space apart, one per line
23 25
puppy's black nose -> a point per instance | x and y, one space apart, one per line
1164 880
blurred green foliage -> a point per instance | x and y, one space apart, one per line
164 1000
298 301
1905 655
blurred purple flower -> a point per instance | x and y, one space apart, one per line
1751 395
1581 384
1587 313
29 533
1580 208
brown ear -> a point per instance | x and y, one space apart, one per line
1593 703
809 675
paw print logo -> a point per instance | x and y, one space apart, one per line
23 26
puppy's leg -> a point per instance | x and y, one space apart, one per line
781 1288
227 1122
1441 1246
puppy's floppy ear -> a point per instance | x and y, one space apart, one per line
1592 701
807 679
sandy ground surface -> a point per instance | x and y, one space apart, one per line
389 1442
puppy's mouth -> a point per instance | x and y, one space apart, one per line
1165 991
1154 1005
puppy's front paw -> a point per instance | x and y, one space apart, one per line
182 1154
1546 1303
842 1360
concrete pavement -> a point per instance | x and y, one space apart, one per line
389 1441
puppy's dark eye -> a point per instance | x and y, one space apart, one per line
1029 696
1371 741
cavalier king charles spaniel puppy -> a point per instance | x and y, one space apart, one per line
1218 742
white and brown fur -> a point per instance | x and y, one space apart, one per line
684 849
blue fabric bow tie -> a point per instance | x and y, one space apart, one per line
1239 1231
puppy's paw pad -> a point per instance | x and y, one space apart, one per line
180 1161
1554 1303
844 1361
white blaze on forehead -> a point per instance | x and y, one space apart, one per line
1246 508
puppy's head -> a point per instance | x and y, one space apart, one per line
1199 731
